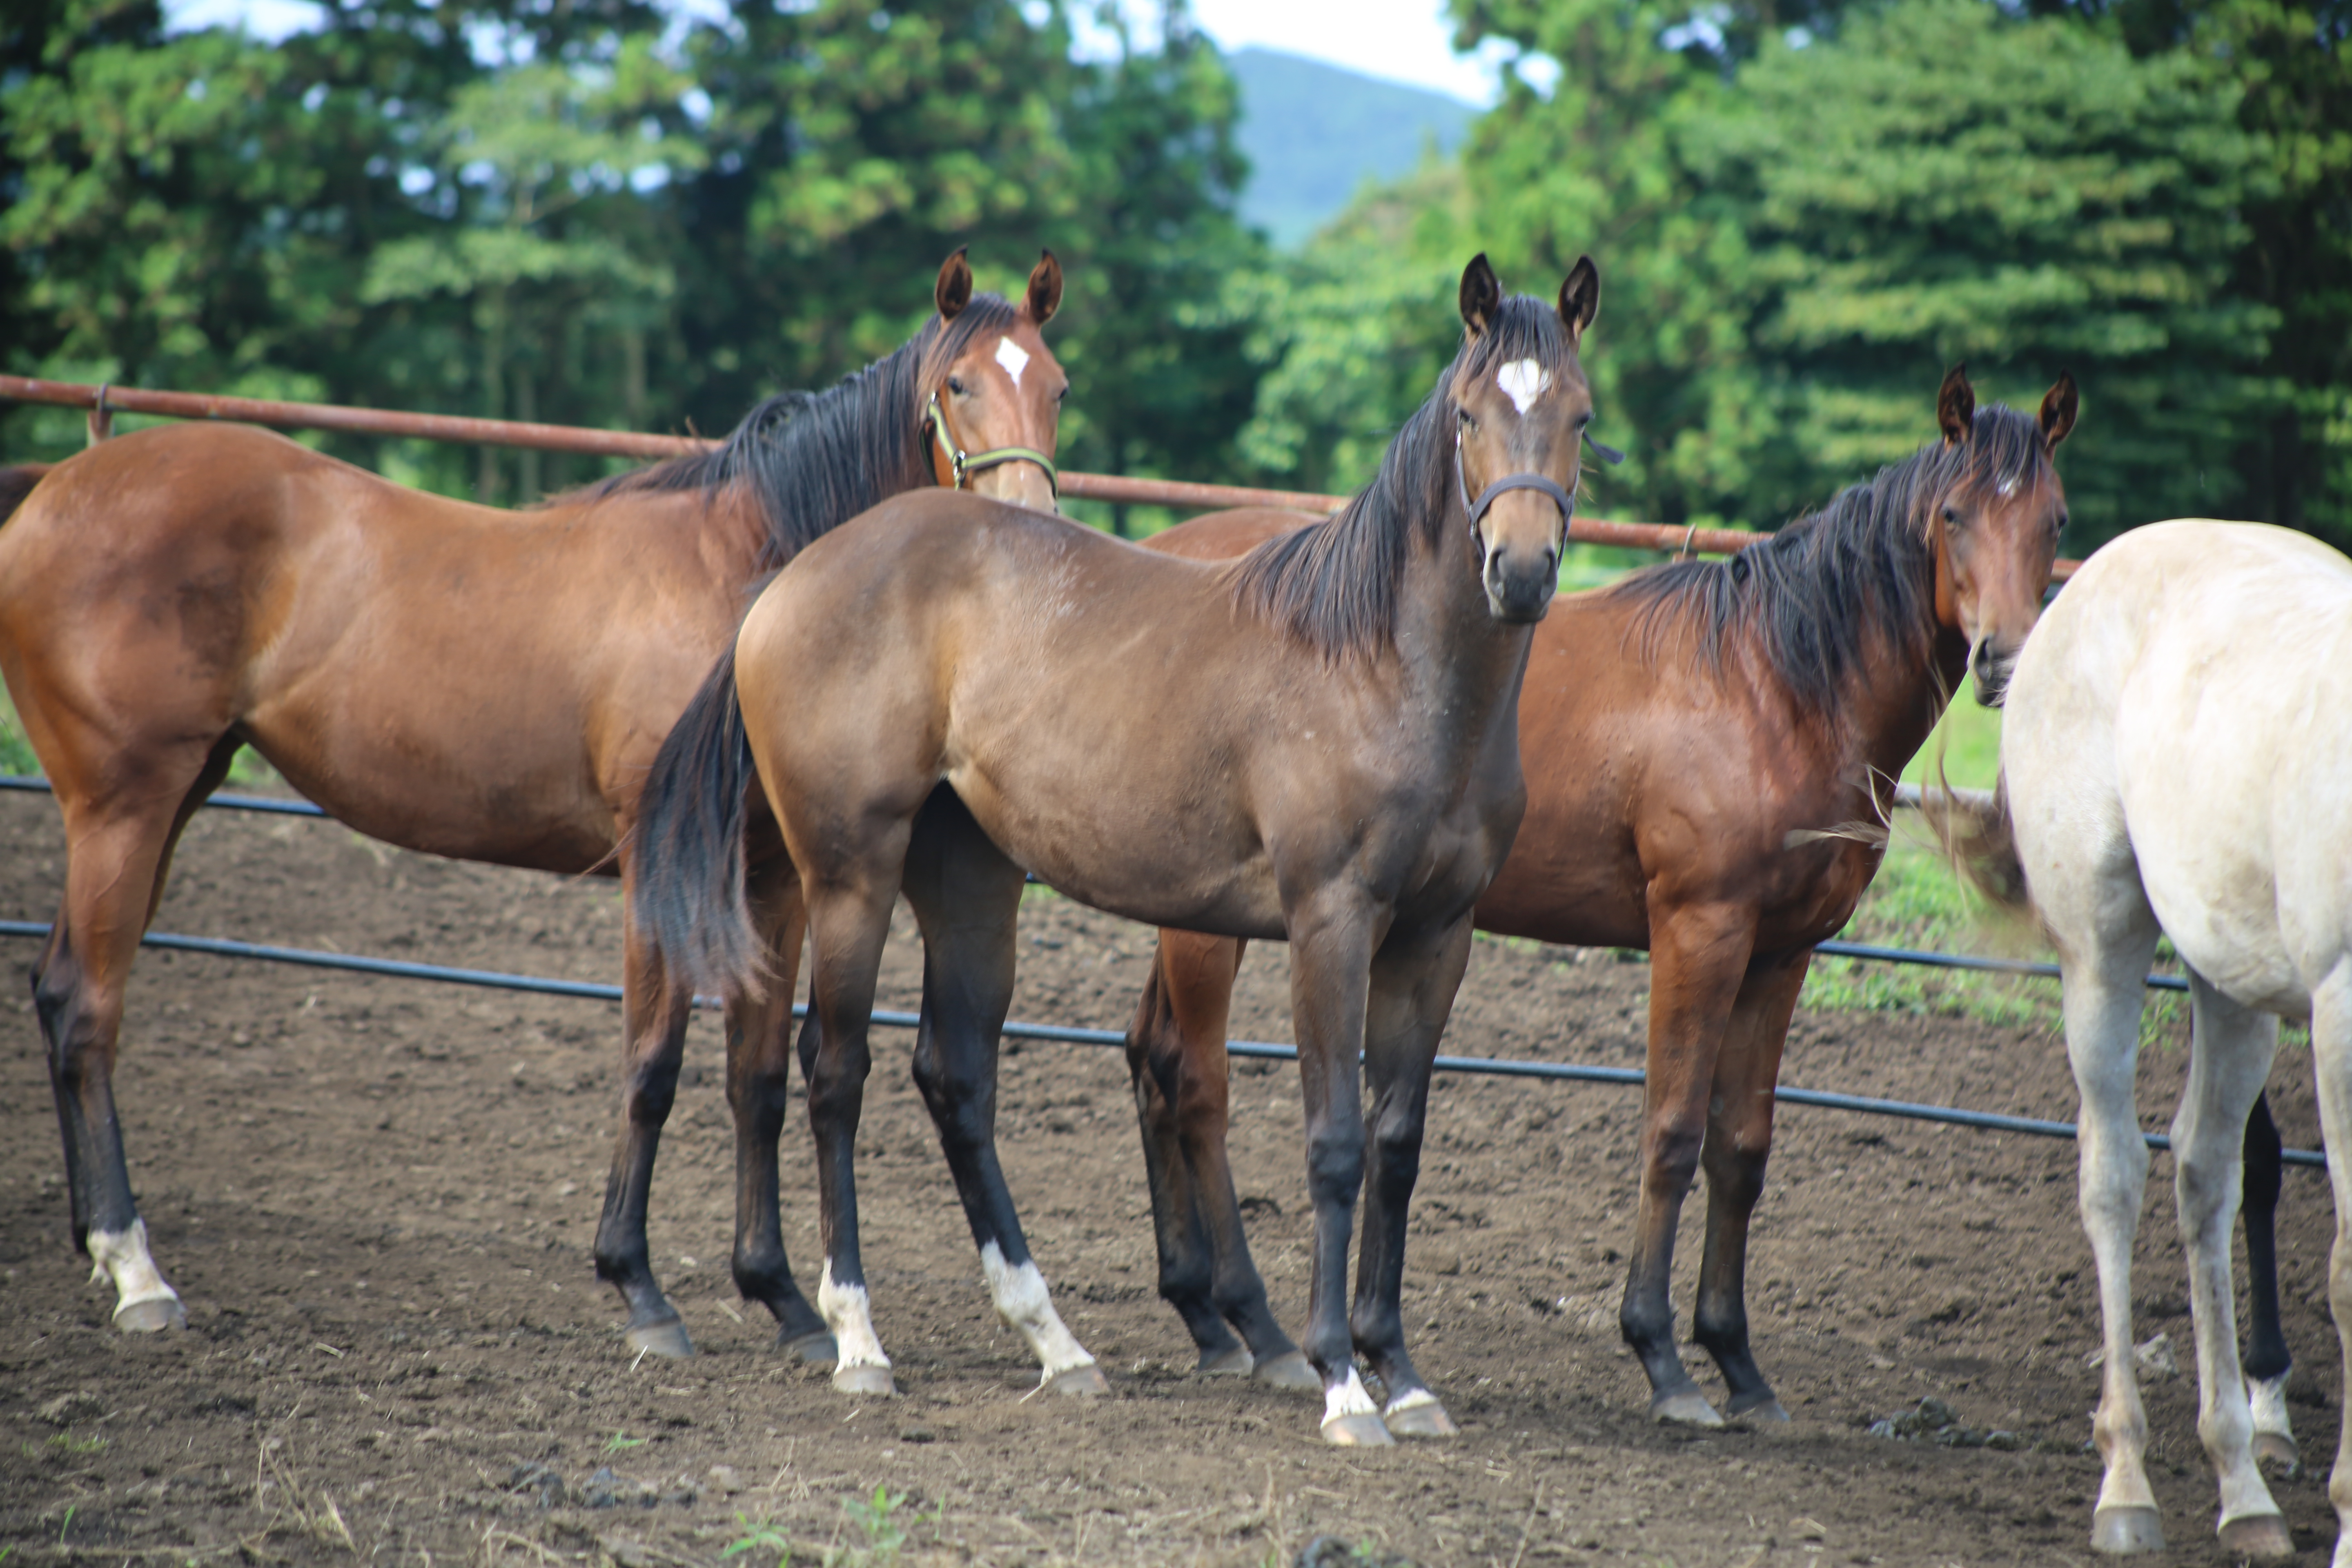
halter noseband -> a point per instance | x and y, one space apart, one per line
1487 497
965 464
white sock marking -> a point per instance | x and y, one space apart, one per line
1413 1400
2268 1397
1523 381
119 1257
1026 1306
1013 358
1348 1398
847 1315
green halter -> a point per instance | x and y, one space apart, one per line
966 464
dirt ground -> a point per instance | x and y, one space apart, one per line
377 1197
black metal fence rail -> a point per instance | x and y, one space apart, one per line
1492 1067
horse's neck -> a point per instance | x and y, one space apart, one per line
1899 696
1457 658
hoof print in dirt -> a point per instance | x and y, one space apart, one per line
1933 1421
1331 1552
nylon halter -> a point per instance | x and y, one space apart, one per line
1487 497
963 464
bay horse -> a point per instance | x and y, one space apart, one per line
1316 743
2172 763
1711 751
482 684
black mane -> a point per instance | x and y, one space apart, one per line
813 460
1817 597
1334 584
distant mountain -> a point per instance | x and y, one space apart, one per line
1314 132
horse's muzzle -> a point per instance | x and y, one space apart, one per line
1519 586
1989 668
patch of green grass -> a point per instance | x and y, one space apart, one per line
66 1442
762 1535
1917 900
1968 740
877 1519
621 1442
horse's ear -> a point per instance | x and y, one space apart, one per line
1956 405
954 289
2059 406
1580 297
1482 295
1045 288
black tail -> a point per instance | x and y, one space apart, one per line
689 896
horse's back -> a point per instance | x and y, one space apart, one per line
2185 711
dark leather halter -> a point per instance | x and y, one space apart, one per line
963 464
1487 497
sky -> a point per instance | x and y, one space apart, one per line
1402 40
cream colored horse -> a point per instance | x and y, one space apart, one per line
2177 760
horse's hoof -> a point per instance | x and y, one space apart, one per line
1684 1407
2276 1452
1079 1381
1365 1430
874 1381
1425 1418
1289 1369
1766 1412
152 1317
2123 1530
816 1348
662 1339
2260 1536
1233 1360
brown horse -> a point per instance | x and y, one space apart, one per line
1316 743
482 684
1711 750
16 482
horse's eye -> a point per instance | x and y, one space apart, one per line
1467 422
1063 395
955 384
1952 516
2062 521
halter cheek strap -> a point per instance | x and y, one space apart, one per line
963 464
1487 497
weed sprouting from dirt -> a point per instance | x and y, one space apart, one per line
621 1442
876 1518
761 1535
66 1442
299 1508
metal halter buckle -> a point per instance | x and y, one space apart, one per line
963 464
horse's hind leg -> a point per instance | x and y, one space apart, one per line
118 848
1739 1143
967 897
1176 1061
2331 1053
2267 1361
654 1017
2230 1058
758 1061
849 923
2108 934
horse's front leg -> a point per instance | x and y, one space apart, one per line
1739 1143
1330 965
2230 1057
1413 982
1176 1060
2267 1361
653 1042
967 897
1698 956
759 1067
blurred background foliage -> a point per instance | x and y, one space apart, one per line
597 212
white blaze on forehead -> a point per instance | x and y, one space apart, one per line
1523 381
1013 358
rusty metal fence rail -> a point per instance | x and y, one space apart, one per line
103 402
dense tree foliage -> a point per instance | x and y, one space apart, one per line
590 212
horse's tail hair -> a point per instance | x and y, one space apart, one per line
16 482
1979 837
688 893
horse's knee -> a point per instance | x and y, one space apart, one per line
1335 1164
1671 1153
1735 1173
650 1088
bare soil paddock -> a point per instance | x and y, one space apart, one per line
377 1197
